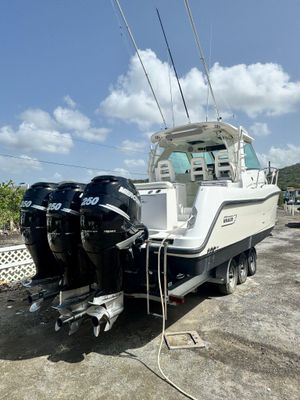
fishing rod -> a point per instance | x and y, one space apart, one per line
201 54
142 64
173 64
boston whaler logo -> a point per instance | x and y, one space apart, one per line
229 219
129 194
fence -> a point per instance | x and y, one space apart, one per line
15 264
291 208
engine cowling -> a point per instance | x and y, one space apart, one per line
34 229
63 227
110 224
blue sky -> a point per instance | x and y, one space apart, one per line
71 89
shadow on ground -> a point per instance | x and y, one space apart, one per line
293 225
24 335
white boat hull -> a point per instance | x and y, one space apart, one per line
228 223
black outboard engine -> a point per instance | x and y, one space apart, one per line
110 224
63 227
34 230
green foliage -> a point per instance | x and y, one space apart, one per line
280 199
289 176
10 199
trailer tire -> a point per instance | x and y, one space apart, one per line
231 278
242 268
252 261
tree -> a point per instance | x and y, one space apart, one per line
10 199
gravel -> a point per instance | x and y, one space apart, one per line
252 341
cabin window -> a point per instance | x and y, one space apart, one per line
180 162
251 160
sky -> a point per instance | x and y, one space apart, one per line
72 91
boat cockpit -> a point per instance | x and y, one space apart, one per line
187 157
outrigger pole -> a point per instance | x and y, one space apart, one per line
142 64
173 64
201 54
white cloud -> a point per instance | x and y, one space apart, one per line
69 101
131 99
281 157
94 134
131 147
92 173
79 124
256 89
135 163
122 172
40 131
19 165
259 129
57 176
29 137
71 119
41 119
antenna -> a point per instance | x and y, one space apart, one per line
202 59
209 63
171 94
173 64
142 64
122 33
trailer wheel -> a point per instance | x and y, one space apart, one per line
242 268
231 278
252 261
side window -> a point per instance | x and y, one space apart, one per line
180 162
251 159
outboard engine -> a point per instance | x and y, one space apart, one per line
63 227
34 231
110 224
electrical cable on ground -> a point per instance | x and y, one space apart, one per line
189 396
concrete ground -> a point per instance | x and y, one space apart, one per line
252 342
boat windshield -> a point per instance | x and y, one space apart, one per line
180 162
251 159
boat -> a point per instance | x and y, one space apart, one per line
208 194
209 202
206 204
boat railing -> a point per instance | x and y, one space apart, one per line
164 287
271 175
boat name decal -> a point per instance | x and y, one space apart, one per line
229 219
128 193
